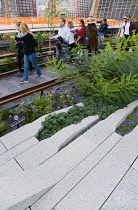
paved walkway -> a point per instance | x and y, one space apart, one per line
98 170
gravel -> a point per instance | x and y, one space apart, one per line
127 123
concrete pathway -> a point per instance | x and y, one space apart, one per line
98 170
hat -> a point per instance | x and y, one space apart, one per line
91 20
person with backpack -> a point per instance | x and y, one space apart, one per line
30 54
20 53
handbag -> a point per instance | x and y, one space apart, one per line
85 42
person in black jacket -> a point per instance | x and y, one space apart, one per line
102 31
20 53
30 54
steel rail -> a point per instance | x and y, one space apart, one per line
20 94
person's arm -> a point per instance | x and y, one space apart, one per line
99 21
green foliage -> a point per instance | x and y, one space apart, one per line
35 108
12 46
132 126
130 117
136 109
109 77
4 127
105 111
54 123
122 128
7 67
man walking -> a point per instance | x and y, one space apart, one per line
102 31
63 40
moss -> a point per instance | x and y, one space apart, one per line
130 117
136 109
122 128
132 126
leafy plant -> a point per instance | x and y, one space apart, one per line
130 117
122 128
132 126
136 109
54 123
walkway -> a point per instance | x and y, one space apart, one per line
98 170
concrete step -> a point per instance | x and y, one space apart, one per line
105 128
13 152
41 152
24 188
62 188
2 148
96 186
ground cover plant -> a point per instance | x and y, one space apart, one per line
129 123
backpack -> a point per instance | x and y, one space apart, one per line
85 40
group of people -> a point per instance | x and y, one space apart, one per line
67 38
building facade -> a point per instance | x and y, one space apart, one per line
18 8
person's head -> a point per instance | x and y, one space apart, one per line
70 24
81 23
127 18
17 25
104 20
24 28
62 22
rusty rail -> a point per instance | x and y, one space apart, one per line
20 94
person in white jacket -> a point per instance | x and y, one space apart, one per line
63 38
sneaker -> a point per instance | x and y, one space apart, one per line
38 77
23 81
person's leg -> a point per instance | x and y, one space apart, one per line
20 56
64 53
26 67
33 59
100 40
30 68
58 54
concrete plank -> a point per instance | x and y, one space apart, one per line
18 150
127 149
10 168
2 148
92 191
125 196
23 189
135 165
16 137
62 188
105 128
48 147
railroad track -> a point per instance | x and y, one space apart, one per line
29 91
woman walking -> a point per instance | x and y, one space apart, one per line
30 54
20 52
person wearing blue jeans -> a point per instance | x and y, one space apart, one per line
102 31
63 40
29 51
27 58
